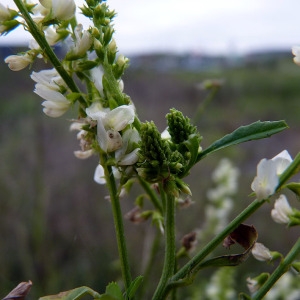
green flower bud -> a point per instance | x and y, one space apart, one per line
180 127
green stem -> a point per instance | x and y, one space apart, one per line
170 255
118 220
188 268
280 270
41 40
151 193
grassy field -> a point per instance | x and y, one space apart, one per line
56 226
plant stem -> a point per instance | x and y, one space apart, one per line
280 270
170 256
188 269
41 40
151 193
118 221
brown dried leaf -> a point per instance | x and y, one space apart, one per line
20 291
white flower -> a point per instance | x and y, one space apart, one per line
99 176
296 52
261 252
48 86
281 211
268 171
109 123
82 43
127 155
62 10
252 285
18 62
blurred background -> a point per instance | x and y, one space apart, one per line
55 224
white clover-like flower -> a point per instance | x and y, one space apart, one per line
62 10
83 41
109 123
48 86
296 52
261 252
19 62
281 211
268 171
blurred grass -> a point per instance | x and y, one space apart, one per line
56 226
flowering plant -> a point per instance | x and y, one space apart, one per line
131 151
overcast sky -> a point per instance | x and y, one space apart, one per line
214 26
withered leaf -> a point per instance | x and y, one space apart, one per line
20 291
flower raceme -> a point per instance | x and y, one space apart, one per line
268 171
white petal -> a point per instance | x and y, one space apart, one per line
84 154
114 140
50 95
99 175
261 252
119 117
54 109
95 111
266 181
281 211
97 74
63 10
130 158
282 160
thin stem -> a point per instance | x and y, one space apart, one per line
170 255
153 196
187 269
280 270
118 221
41 40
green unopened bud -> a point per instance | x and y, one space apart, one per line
86 11
99 50
85 65
99 11
95 33
120 66
183 187
7 26
180 127
112 51
108 33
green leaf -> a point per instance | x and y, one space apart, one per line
193 146
112 292
254 131
243 296
134 286
73 294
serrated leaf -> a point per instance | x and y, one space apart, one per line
73 294
134 286
114 290
254 131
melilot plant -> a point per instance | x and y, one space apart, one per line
134 152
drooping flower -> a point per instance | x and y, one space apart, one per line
282 210
19 62
261 252
268 172
109 123
62 10
82 43
50 86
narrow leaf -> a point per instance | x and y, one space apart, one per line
254 131
134 286
73 294
114 290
